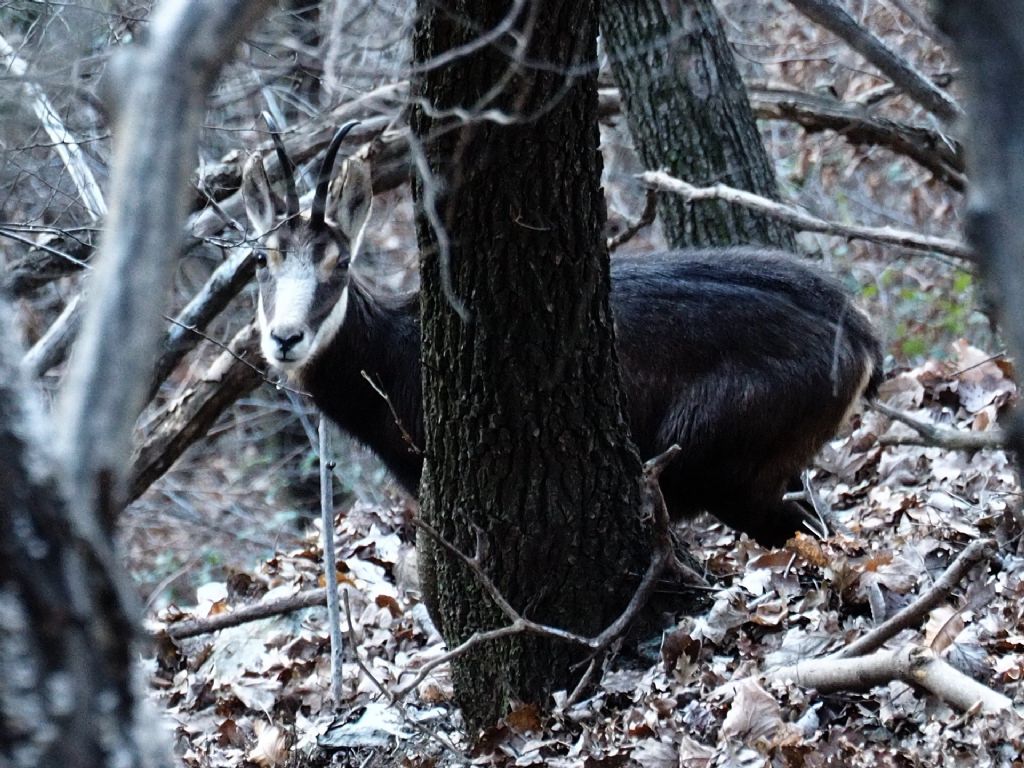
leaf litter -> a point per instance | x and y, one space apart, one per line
258 694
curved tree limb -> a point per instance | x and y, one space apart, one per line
975 552
912 664
918 87
933 434
806 221
191 414
931 149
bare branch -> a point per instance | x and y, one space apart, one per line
66 145
53 346
918 87
647 216
394 414
222 286
194 627
933 150
933 434
157 130
806 221
330 561
914 665
913 614
191 414
663 559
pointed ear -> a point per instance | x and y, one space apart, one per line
350 198
261 204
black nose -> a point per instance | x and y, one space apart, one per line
287 340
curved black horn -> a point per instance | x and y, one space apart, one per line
287 170
319 208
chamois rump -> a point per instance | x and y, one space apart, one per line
746 357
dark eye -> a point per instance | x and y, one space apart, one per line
343 263
261 259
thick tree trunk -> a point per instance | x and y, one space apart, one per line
525 438
688 113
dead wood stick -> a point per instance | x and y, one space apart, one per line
934 435
918 87
262 610
220 288
913 614
53 346
931 149
192 413
911 664
802 219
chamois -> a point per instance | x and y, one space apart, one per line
746 357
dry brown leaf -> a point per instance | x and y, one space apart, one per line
652 753
944 625
754 713
524 718
271 748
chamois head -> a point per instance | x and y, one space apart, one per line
303 258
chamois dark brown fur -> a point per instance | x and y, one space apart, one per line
748 358
745 358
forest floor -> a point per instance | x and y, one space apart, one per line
699 694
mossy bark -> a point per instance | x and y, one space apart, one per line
525 436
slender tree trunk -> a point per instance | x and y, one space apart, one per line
525 437
66 689
68 612
989 38
688 113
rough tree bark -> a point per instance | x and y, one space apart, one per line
525 439
989 37
688 113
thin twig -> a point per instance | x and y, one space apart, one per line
46 248
646 218
218 343
330 564
394 414
391 697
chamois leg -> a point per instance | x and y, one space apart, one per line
770 522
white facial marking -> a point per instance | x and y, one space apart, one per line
856 405
293 298
331 325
